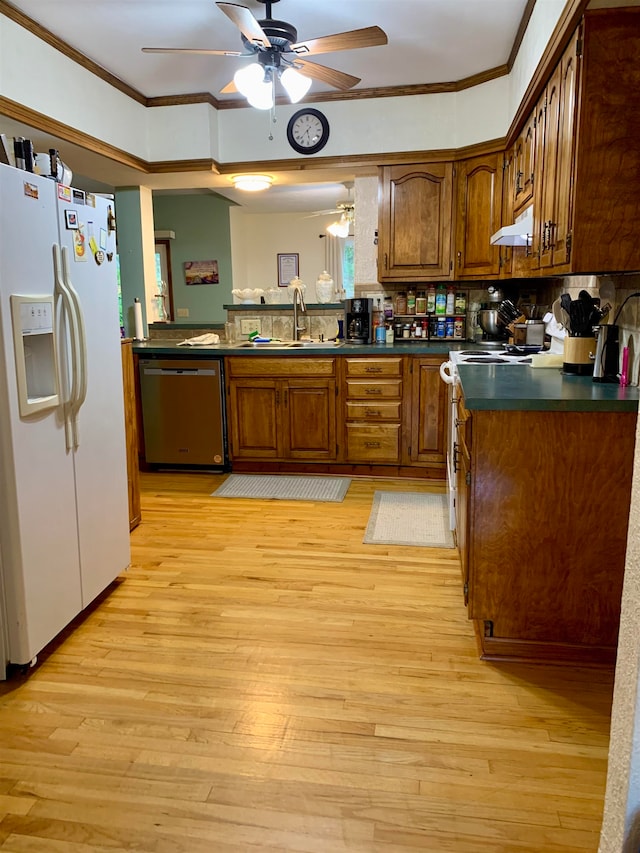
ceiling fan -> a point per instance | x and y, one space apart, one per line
280 55
347 211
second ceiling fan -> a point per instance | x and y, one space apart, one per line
278 53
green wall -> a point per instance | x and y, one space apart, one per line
201 226
129 236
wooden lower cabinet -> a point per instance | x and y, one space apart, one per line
286 411
427 413
361 414
131 432
373 394
545 548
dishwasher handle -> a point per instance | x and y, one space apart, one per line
180 371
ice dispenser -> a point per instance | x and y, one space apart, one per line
35 352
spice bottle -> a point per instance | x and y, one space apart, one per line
421 303
451 299
431 299
401 302
411 301
441 300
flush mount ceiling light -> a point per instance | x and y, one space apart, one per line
252 183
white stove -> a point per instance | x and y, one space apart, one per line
475 354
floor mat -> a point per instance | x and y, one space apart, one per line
409 518
283 487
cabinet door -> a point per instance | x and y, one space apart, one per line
561 240
509 166
478 216
557 162
428 406
253 410
309 419
524 166
415 222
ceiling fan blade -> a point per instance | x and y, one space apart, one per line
366 37
229 89
244 20
194 50
337 79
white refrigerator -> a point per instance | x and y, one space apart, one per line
64 528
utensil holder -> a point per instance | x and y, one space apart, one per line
579 355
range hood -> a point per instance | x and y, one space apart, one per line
518 234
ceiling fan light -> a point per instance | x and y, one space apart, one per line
340 228
261 97
295 84
247 78
252 183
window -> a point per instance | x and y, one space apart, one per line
164 293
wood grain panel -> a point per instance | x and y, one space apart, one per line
551 496
607 178
131 432
279 366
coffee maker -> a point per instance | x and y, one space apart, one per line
358 321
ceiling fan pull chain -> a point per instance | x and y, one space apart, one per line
272 111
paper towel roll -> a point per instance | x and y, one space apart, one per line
137 320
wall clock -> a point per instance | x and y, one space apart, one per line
308 131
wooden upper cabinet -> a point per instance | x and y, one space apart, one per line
414 240
478 215
555 207
606 193
524 158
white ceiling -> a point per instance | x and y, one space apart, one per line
429 41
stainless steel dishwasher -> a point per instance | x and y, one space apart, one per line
183 411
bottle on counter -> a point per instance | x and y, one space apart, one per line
401 302
441 300
421 302
380 331
411 301
431 299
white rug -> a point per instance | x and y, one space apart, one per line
409 518
283 487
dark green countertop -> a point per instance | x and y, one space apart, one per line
172 348
522 388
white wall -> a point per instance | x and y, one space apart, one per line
42 78
257 239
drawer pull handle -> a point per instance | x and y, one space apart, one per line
372 413
374 391
373 369
372 444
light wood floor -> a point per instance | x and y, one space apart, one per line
260 680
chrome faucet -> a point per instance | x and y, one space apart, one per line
298 303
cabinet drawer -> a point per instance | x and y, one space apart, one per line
380 443
374 411
360 389
374 366
295 365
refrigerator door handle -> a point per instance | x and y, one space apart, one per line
67 307
81 395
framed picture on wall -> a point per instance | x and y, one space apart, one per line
288 266
201 272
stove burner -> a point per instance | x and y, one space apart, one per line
475 352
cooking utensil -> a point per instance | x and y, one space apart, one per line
488 320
